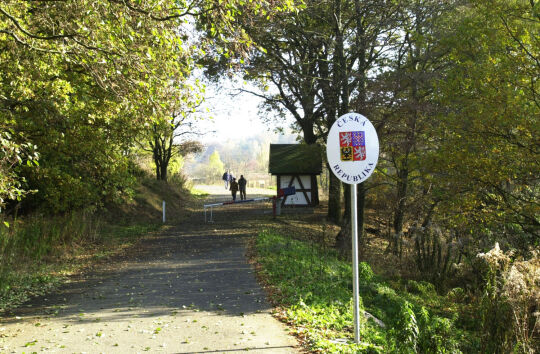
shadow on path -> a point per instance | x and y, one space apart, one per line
195 266
185 271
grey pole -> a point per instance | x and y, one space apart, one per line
164 212
354 236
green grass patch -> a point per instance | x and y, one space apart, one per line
198 193
314 287
16 287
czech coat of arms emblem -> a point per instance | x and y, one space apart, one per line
352 146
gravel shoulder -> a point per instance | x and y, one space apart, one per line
188 289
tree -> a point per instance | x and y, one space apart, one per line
78 80
164 148
317 62
364 34
170 136
215 166
405 105
81 79
13 155
487 162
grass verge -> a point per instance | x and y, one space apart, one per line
313 290
198 193
39 254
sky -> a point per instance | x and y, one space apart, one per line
234 117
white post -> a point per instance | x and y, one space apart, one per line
354 236
164 212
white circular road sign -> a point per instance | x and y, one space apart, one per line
352 148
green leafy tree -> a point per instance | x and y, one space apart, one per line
169 137
81 79
78 81
404 106
12 156
314 66
215 166
487 163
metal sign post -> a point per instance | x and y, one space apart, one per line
354 236
352 150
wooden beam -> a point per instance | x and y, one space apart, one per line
303 190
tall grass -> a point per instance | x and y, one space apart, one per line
37 237
28 245
37 251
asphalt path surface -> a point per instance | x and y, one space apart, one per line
188 289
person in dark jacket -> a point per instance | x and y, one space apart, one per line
242 187
234 188
226 178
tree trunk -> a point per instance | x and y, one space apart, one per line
314 191
344 237
162 152
347 200
157 160
399 214
334 199
360 206
400 207
164 172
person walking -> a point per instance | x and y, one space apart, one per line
227 178
234 188
242 187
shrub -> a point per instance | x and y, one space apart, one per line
421 288
406 331
510 302
437 334
365 273
521 290
436 250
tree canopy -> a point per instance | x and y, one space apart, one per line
451 86
82 79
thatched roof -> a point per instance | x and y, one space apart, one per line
295 159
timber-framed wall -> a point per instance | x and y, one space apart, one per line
297 165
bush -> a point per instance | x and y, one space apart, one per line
437 334
421 288
510 302
436 250
406 329
521 290
365 273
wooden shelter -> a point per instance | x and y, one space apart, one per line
297 165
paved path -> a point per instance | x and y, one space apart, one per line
187 290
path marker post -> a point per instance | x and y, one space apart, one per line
352 149
164 212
